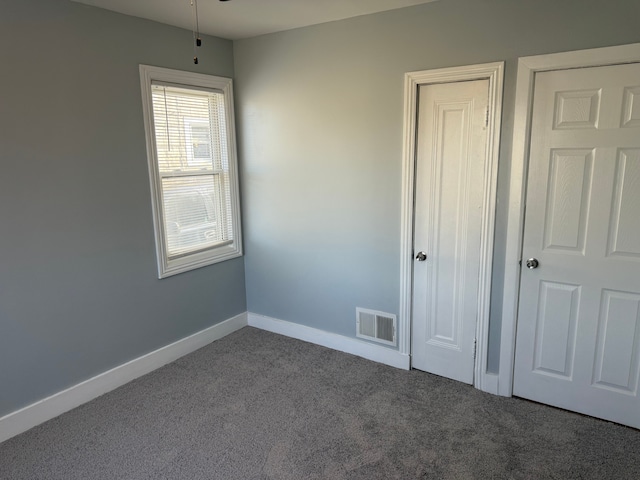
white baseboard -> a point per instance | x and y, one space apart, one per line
61 402
353 346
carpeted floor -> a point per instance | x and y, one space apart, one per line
256 405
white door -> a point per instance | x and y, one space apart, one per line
450 167
578 334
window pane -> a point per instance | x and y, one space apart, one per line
189 126
195 213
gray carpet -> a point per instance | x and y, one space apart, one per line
255 405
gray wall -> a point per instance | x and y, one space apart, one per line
79 291
320 115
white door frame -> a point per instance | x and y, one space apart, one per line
494 72
527 69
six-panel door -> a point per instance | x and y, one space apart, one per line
578 333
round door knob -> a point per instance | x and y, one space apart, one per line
421 256
532 263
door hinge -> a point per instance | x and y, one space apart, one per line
486 118
475 347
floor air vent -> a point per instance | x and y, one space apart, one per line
376 326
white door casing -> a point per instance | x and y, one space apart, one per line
493 72
528 68
451 145
578 338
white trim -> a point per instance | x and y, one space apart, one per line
494 72
227 250
61 402
527 68
353 346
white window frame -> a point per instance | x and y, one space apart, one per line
218 253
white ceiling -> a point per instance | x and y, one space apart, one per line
237 19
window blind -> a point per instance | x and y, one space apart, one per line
193 167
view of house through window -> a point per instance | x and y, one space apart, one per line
194 196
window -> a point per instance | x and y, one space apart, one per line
191 149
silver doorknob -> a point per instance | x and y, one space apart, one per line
532 263
421 256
